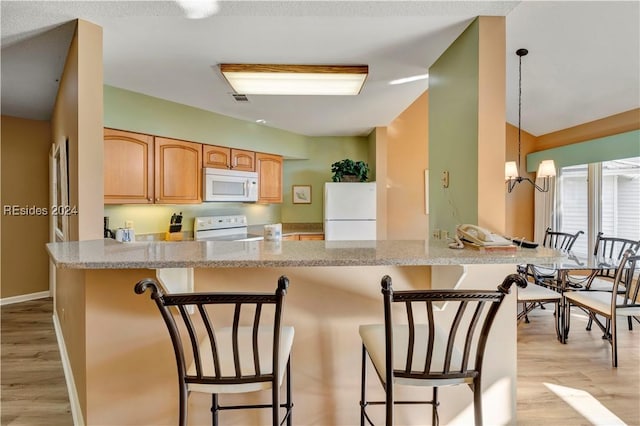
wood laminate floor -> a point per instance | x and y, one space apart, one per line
33 388
574 384
570 384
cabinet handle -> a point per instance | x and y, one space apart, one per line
157 199
149 199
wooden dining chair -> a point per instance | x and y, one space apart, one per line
226 358
610 304
442 351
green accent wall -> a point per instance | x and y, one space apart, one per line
453 133
307 159
623 145
315 171
136 112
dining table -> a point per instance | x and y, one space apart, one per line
573 273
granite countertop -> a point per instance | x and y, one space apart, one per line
110 254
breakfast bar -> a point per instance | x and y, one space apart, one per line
119 361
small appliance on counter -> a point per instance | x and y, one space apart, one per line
273 232
125 235
223 228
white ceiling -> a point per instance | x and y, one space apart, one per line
583 62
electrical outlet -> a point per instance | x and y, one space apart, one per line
436 234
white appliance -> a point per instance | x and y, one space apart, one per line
223 228
349 211
229 185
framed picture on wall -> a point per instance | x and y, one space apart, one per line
301 194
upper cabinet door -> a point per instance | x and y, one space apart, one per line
220 157
128 167
243 160
269 169
217 157
178 171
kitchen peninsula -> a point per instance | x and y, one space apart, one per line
119 357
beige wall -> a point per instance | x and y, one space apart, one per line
407 159
77 116
378 150
520 202
491 119
25 183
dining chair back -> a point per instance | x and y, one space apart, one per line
436 348
609 249
560 240
610 304
545 287
237 354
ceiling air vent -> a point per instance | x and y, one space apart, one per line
240 97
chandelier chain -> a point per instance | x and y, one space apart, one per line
519 108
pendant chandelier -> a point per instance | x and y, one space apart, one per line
546 169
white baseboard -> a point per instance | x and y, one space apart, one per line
76 411
24 297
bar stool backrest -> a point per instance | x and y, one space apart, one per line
455 343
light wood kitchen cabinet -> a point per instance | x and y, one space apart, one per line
128 167
178 171
269 168
307 237
220 157
243 160
217 157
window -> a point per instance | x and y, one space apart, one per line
616 187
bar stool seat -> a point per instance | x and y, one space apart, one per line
373 338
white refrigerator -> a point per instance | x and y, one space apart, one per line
349 211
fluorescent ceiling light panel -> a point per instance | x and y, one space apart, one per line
264 79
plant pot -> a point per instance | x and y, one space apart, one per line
350 178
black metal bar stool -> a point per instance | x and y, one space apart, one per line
442 351
228 359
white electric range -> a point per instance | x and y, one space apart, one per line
223 228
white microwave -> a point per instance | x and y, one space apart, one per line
230 185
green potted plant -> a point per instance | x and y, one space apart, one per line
348 170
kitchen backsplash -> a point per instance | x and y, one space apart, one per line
148 219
